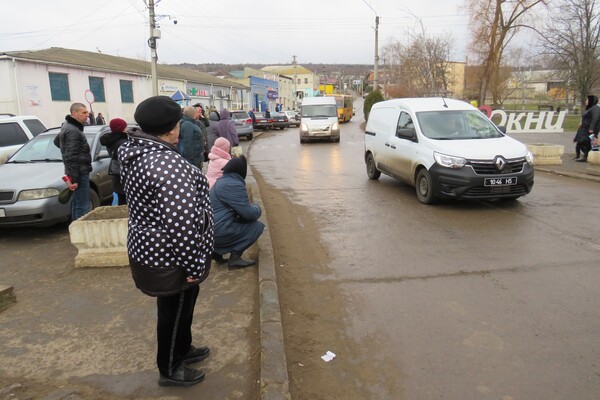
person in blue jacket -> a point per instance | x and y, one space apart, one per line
235 218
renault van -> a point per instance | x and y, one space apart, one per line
319 119
445 148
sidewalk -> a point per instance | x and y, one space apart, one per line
569 167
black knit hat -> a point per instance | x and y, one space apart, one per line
238 165
157 115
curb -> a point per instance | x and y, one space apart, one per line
570 174
7 296
274 380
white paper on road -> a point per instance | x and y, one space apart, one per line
328 356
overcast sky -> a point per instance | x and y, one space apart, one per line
231 31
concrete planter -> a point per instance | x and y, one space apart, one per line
546 154
594 158
101 238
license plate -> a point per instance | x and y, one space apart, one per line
500 181
2 213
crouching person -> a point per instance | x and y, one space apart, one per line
236 220
170 233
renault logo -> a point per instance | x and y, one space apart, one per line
500 163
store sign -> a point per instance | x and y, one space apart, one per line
528 121
168 88
271 94
197 92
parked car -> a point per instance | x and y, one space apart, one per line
31 180
293 118
16 131
445 148
243 124
262 122
279 120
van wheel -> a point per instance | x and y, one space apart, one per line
424 187
372 171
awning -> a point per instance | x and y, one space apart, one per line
179 95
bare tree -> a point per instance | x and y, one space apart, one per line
421 67
572 35
494 23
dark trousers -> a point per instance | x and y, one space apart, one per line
174 328
585 148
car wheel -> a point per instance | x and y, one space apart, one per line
282 127
249 137
94 199
372 171
424 187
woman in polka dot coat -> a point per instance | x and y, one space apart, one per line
170 237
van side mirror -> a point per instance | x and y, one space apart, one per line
407 133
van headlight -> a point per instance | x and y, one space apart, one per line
335 126
449 161
303 128
529 158
36 194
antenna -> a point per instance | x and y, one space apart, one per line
444 100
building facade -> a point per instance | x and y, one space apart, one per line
45 83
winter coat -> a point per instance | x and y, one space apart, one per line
213 132
218 157
170 216
74 148
236 220
226 128
590 119
191 141
112 141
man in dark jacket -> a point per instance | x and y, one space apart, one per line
170 233
77 158
236 220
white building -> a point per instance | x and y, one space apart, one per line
45 83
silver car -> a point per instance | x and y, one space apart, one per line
31 180
243 124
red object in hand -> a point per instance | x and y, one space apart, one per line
67 180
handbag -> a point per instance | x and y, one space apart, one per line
582 135
236 151
114 168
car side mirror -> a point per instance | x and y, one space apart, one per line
407 133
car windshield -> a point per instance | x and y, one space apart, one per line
321 110
455 125
278 114
42 149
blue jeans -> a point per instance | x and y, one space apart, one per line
80 202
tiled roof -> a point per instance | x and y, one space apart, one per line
287 70
105 62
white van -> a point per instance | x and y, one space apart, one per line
447 149
319 119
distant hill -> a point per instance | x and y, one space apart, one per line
357 70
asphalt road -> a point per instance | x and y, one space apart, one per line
466 300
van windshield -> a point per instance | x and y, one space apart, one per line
319 111
455 125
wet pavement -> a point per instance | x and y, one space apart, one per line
88 333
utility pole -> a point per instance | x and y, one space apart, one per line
295 89
376 63
154 34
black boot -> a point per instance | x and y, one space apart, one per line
236 261
182 376
218 258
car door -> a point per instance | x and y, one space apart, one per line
403 148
